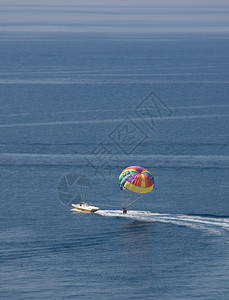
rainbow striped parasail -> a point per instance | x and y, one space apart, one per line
136 179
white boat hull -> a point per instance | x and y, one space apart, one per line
84 208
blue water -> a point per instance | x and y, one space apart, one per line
73 103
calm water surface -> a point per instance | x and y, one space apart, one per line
72 103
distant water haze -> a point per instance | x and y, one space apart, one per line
114 16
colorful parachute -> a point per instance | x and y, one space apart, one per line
136 179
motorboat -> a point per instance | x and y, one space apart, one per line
84 207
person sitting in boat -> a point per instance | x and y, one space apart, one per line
124 210
80 203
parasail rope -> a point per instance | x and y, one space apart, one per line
81 195
125 202
133 201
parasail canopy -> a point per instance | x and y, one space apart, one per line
136 179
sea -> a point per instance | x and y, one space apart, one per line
80 103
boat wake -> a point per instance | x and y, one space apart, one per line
211 224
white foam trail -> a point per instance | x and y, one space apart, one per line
201 106
220 161
101 121
57 123
110 110
64 80
210 224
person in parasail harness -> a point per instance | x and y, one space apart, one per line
124 210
